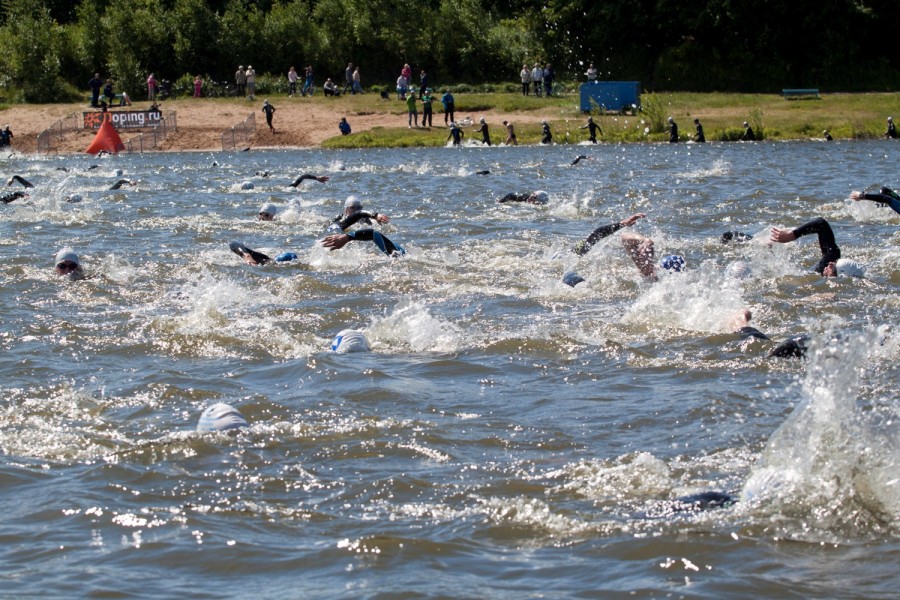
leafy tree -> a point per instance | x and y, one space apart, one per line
32 64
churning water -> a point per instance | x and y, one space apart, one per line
508 436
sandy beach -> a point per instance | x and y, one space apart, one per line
299 122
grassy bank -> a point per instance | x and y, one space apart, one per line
845 116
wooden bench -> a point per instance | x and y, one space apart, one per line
800 93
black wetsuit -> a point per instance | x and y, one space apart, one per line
270 112
13 196
457 134
830 250
886 196
6 136
593 128
353 218
673 132
582 247
737 236
485 136
119 184
891 131
517 198
547 136
303 178
748 136
700 138
21 180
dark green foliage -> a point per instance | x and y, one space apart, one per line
51 47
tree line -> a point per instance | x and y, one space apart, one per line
51 48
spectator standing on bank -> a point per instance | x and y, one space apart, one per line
108 91
198 85
407 72
344 126
402 86
151 88
591 74
525 76
308 81
251 81
449 107
240 81
423 82
537 77
270 112
348 79
411 110
95 84
548 79
357 83
292 82
427 101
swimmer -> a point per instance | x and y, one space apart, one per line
456 133
120 183
19 179
339 240
748 135
510 134
735 236
592 128
302 178
536 197
827 265
643 253
827 136
546 136
580 158
267 212
13 196
349 340
483 130
68 264
353 213
250 256
484 172
221 417
741 326
794 347
887 197
582 247
262 173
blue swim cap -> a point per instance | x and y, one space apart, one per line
572 278
673 262
221 417
286 257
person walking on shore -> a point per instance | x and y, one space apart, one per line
891 132
270 112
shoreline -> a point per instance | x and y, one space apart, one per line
304 123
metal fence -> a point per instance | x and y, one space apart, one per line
151 139
239 134
46 139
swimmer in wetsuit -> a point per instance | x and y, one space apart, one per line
304 177
353 213
536 197
13 196
120 183
19 179
483 130
827 265
546 136
887 197
592 128
582 247
339 240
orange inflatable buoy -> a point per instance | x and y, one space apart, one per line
107 138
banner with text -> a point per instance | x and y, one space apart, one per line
125 119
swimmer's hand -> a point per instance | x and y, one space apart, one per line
335 242
782 236
381 218
856 195
632 219
322 178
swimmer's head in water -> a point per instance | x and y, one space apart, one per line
830 270
352 202
349 340
539 197
673 262
221 417
67 261
267 212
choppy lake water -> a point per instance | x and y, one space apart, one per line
508 436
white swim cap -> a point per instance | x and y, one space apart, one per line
67 254
221 417
349 340
352 202
739 269
247 185
540 196
73 198
850 268
269 208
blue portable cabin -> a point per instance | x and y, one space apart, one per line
613 96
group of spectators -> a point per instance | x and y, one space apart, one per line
533 80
